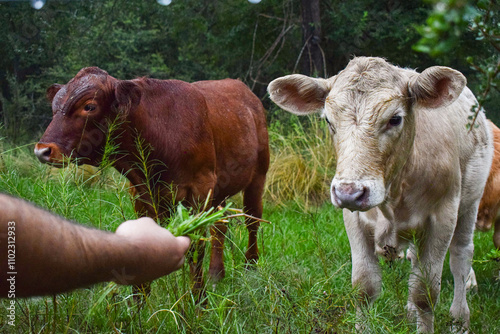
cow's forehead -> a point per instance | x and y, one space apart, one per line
366 86
76 88
86 82
369 76
363 104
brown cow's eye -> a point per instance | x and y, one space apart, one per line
89 107
395 120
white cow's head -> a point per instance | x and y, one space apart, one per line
370 107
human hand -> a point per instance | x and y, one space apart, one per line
157 251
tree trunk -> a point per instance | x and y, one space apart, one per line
312 57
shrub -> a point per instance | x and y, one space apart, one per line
302 161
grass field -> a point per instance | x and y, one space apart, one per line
300 285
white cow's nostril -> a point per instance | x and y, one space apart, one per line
350 195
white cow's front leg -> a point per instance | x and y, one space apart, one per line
427 267
461 252
366 273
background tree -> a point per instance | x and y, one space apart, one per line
202 39
453 21
312 54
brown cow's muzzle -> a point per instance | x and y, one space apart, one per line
48 153
483 225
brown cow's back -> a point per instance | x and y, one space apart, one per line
195 127
170 123
241 139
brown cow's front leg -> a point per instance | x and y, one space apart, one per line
195 259
252 253
253 205
197 196
218 235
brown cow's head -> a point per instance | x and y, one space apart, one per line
82 110
370 107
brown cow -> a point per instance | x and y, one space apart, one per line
490 203
207 138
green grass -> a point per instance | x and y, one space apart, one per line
300 285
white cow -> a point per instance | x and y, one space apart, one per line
408 170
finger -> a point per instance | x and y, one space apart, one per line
146 220
184 243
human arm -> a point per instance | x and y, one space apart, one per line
53 255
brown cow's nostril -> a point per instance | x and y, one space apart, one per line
43 154
46 152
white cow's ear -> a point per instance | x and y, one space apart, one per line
437 86
299 94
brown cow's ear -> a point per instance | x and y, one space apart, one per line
128 95
299 94
437 86
52 91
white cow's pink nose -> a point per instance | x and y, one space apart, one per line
350 195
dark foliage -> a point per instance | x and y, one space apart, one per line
191 40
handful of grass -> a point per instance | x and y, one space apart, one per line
186 223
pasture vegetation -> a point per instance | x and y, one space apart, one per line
300 285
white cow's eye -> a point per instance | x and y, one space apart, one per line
395 121
330 125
